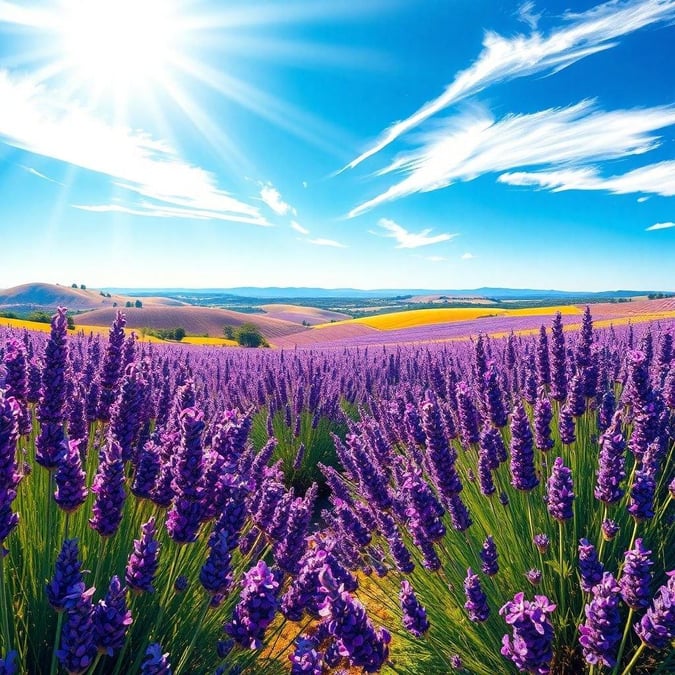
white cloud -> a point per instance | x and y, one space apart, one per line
656 179
272 197
660 226
325 242
472 144
33 118
527 14
468 256
641 200
299 228
408 239
504 59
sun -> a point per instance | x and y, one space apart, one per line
119 44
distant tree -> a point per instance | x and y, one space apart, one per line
139 304
128 303
83 287
228 332
114 304
179 333
73 285
249 335
71 323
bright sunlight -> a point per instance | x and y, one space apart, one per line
119 43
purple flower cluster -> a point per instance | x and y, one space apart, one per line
476 600
523 475
531 645
144 560
600 634
112 619
77 649
347 622
155 662
560 492
414 615
636 577
590 568
9 477
256 608
488 555
657 627
611 463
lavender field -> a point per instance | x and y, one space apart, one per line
495 505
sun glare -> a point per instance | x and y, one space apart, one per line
119 43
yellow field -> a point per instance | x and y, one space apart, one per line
425 317
86 330
212 341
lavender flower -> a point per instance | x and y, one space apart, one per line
636 577
560 493
144 560
590 568
530 646
609 529
66 574
523 476
306 659
156 663
543 363
456 662
109 490
77 648
600 634
611 463
641 504
256 608
476 601
112 619
566 426
351 628
558 360
147 470
71 489
542 542
468 416
215 574
543 414
51 409
494 402
112 367
8 664
657 627
9 477
534 576
414 615
184 516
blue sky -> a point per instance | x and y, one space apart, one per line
378 144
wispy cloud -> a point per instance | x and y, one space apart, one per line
504 59
527 14
299 228
473 144
406 239
36 173
660 226
326 242
468 256
34 119
272 197
656 179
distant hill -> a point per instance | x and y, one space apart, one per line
276 292
40 296
208 321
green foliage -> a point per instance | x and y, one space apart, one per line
83 287
249 335
317 439
176 334
138 304
40 316
70 323
228 332
73 285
